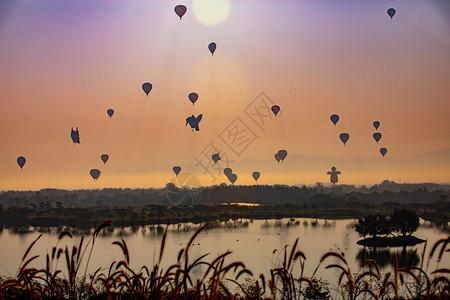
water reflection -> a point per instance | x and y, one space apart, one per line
251 241
439 226
385 257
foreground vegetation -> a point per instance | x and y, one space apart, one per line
63 276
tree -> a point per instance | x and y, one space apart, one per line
405 221
373 225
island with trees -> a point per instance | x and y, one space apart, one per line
391 230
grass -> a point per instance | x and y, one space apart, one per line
219 279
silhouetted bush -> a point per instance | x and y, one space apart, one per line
405 221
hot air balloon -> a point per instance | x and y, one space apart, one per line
282 154
104 158
193 121
232 178
110 112
344 137
376 124
334 119
147 87
377 136
391 12
256 176
227 171
95 173
275 109
277 157
383 151
215 157
212 47
75 135
180 10
176 170
333 175
193 97
21 161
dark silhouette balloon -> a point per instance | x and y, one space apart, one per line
227 171
75 135
180 10
104 158
21 161
95 173
275 109
147 87
215 157
333 175
334 119
193 97
282 154
277 157
110 112
212 47
176 170
193 121
377 136
383 151
256 175
376 124
391 12
232 178
344 137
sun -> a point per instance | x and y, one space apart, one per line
211 12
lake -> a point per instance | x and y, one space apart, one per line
257 243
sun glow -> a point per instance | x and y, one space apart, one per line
211 12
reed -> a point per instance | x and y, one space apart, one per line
219 278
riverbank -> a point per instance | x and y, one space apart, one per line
158 214
155 214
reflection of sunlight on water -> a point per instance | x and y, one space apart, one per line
242 204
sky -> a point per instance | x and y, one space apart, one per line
65 63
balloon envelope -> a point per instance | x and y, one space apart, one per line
104 158
215 157
147 87
376 124
212 47
21 161
275 109
193 121
227 171
383 151
277 157
193 97
176 170
256 175
344 137
180 10
377 136
282 154
334 119
232 178
95 173
391 12
75 135
110 112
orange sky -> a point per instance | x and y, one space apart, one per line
65 63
